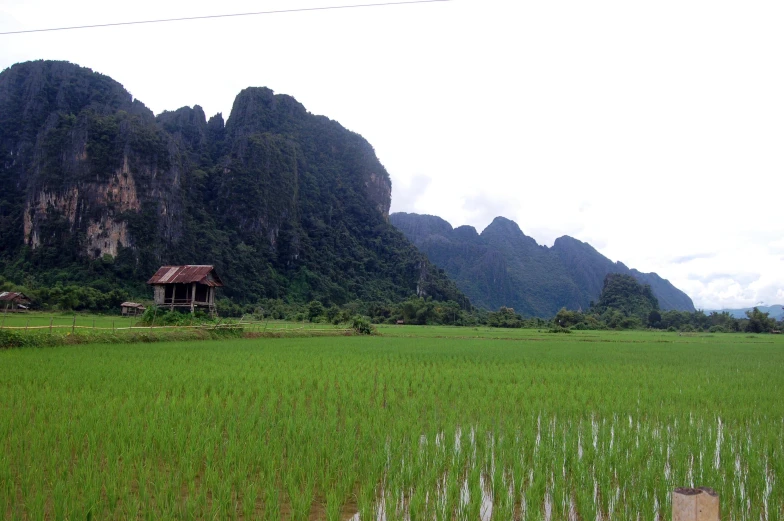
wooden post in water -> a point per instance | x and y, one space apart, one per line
695 504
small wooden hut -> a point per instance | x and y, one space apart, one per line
131 309
190 287
13 302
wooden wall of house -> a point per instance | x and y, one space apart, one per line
160 291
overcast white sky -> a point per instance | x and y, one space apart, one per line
652 130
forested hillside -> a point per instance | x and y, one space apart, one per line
504 267
96 190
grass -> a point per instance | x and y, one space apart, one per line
41 319
65 321
49 330
423 423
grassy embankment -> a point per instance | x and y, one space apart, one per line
427 424
37 329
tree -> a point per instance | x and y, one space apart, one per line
654 319
623 295
759 322
315 310
565 318
504 317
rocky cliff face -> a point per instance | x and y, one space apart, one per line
68 144
285 203
504 267
91 207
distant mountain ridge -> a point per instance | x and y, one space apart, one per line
775 311
504 267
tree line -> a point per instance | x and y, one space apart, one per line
623 305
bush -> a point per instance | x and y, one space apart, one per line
504 317
559 329
362 325
631 322
10 339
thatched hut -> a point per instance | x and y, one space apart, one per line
131 309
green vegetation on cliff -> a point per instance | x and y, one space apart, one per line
623 293
96 191
502 267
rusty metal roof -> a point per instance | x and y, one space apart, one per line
10 296
131 305
201 274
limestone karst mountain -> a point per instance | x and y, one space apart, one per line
96 189
504 267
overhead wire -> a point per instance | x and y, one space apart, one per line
208 17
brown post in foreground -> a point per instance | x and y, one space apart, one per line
695 504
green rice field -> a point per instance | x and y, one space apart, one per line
419 423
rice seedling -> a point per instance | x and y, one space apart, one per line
526 427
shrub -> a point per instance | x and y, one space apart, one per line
559 329
362 325
155 316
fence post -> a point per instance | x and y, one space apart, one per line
51 320
73 326
695 504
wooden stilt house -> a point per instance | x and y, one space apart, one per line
188 287
13 302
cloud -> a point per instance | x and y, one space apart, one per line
740 278
405 196
720 291
483 208
546 236
688 258
776 247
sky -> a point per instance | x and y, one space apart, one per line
652 130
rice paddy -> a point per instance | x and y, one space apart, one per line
418 424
